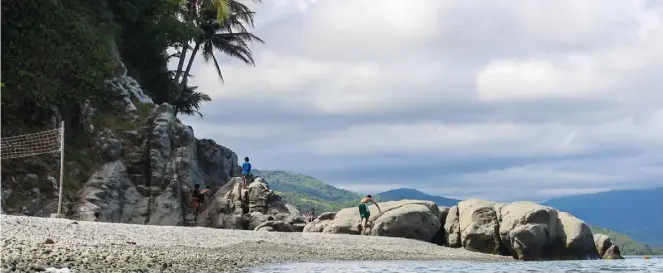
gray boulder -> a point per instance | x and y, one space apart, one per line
602 242
408 219
413 219
479 226
452 228
279 226
528 229
576 237
605 248
613 253
321 223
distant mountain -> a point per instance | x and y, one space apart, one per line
627 245
405 193
307 192
636 213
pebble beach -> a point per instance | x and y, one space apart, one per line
32 244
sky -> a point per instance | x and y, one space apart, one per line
502 100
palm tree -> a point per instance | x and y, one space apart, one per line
230 37
222 10
189 101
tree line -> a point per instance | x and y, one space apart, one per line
57 54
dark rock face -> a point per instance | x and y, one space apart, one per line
150 184
440 236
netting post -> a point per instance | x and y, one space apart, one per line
61 169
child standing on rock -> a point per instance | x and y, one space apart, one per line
246 171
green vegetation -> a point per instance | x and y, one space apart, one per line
56 55
41 65
307 192
626 244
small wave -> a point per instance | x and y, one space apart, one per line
600 266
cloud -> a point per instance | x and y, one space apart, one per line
502 100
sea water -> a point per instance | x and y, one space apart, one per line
630 264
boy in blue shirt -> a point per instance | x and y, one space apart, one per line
246 171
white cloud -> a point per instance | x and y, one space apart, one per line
505 139
349 57
536 79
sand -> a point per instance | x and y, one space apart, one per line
32 244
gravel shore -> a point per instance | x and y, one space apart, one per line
32 244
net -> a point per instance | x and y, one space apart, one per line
32 144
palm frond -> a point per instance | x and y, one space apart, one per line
218 69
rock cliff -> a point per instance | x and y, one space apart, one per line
143 164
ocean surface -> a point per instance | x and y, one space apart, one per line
630 264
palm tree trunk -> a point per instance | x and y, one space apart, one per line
185 76
180 65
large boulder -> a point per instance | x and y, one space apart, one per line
605 247
479 226
602 242
279 226
452 228
321 223
413 219
524 230
613 253
576 237
234 207
528 230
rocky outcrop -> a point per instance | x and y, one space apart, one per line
235 208
606 249
147 173
523 230
412 219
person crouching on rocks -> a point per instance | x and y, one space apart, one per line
197 197
364 212
97 216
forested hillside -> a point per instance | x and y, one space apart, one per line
626 244
307 192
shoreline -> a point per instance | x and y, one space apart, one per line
110 247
